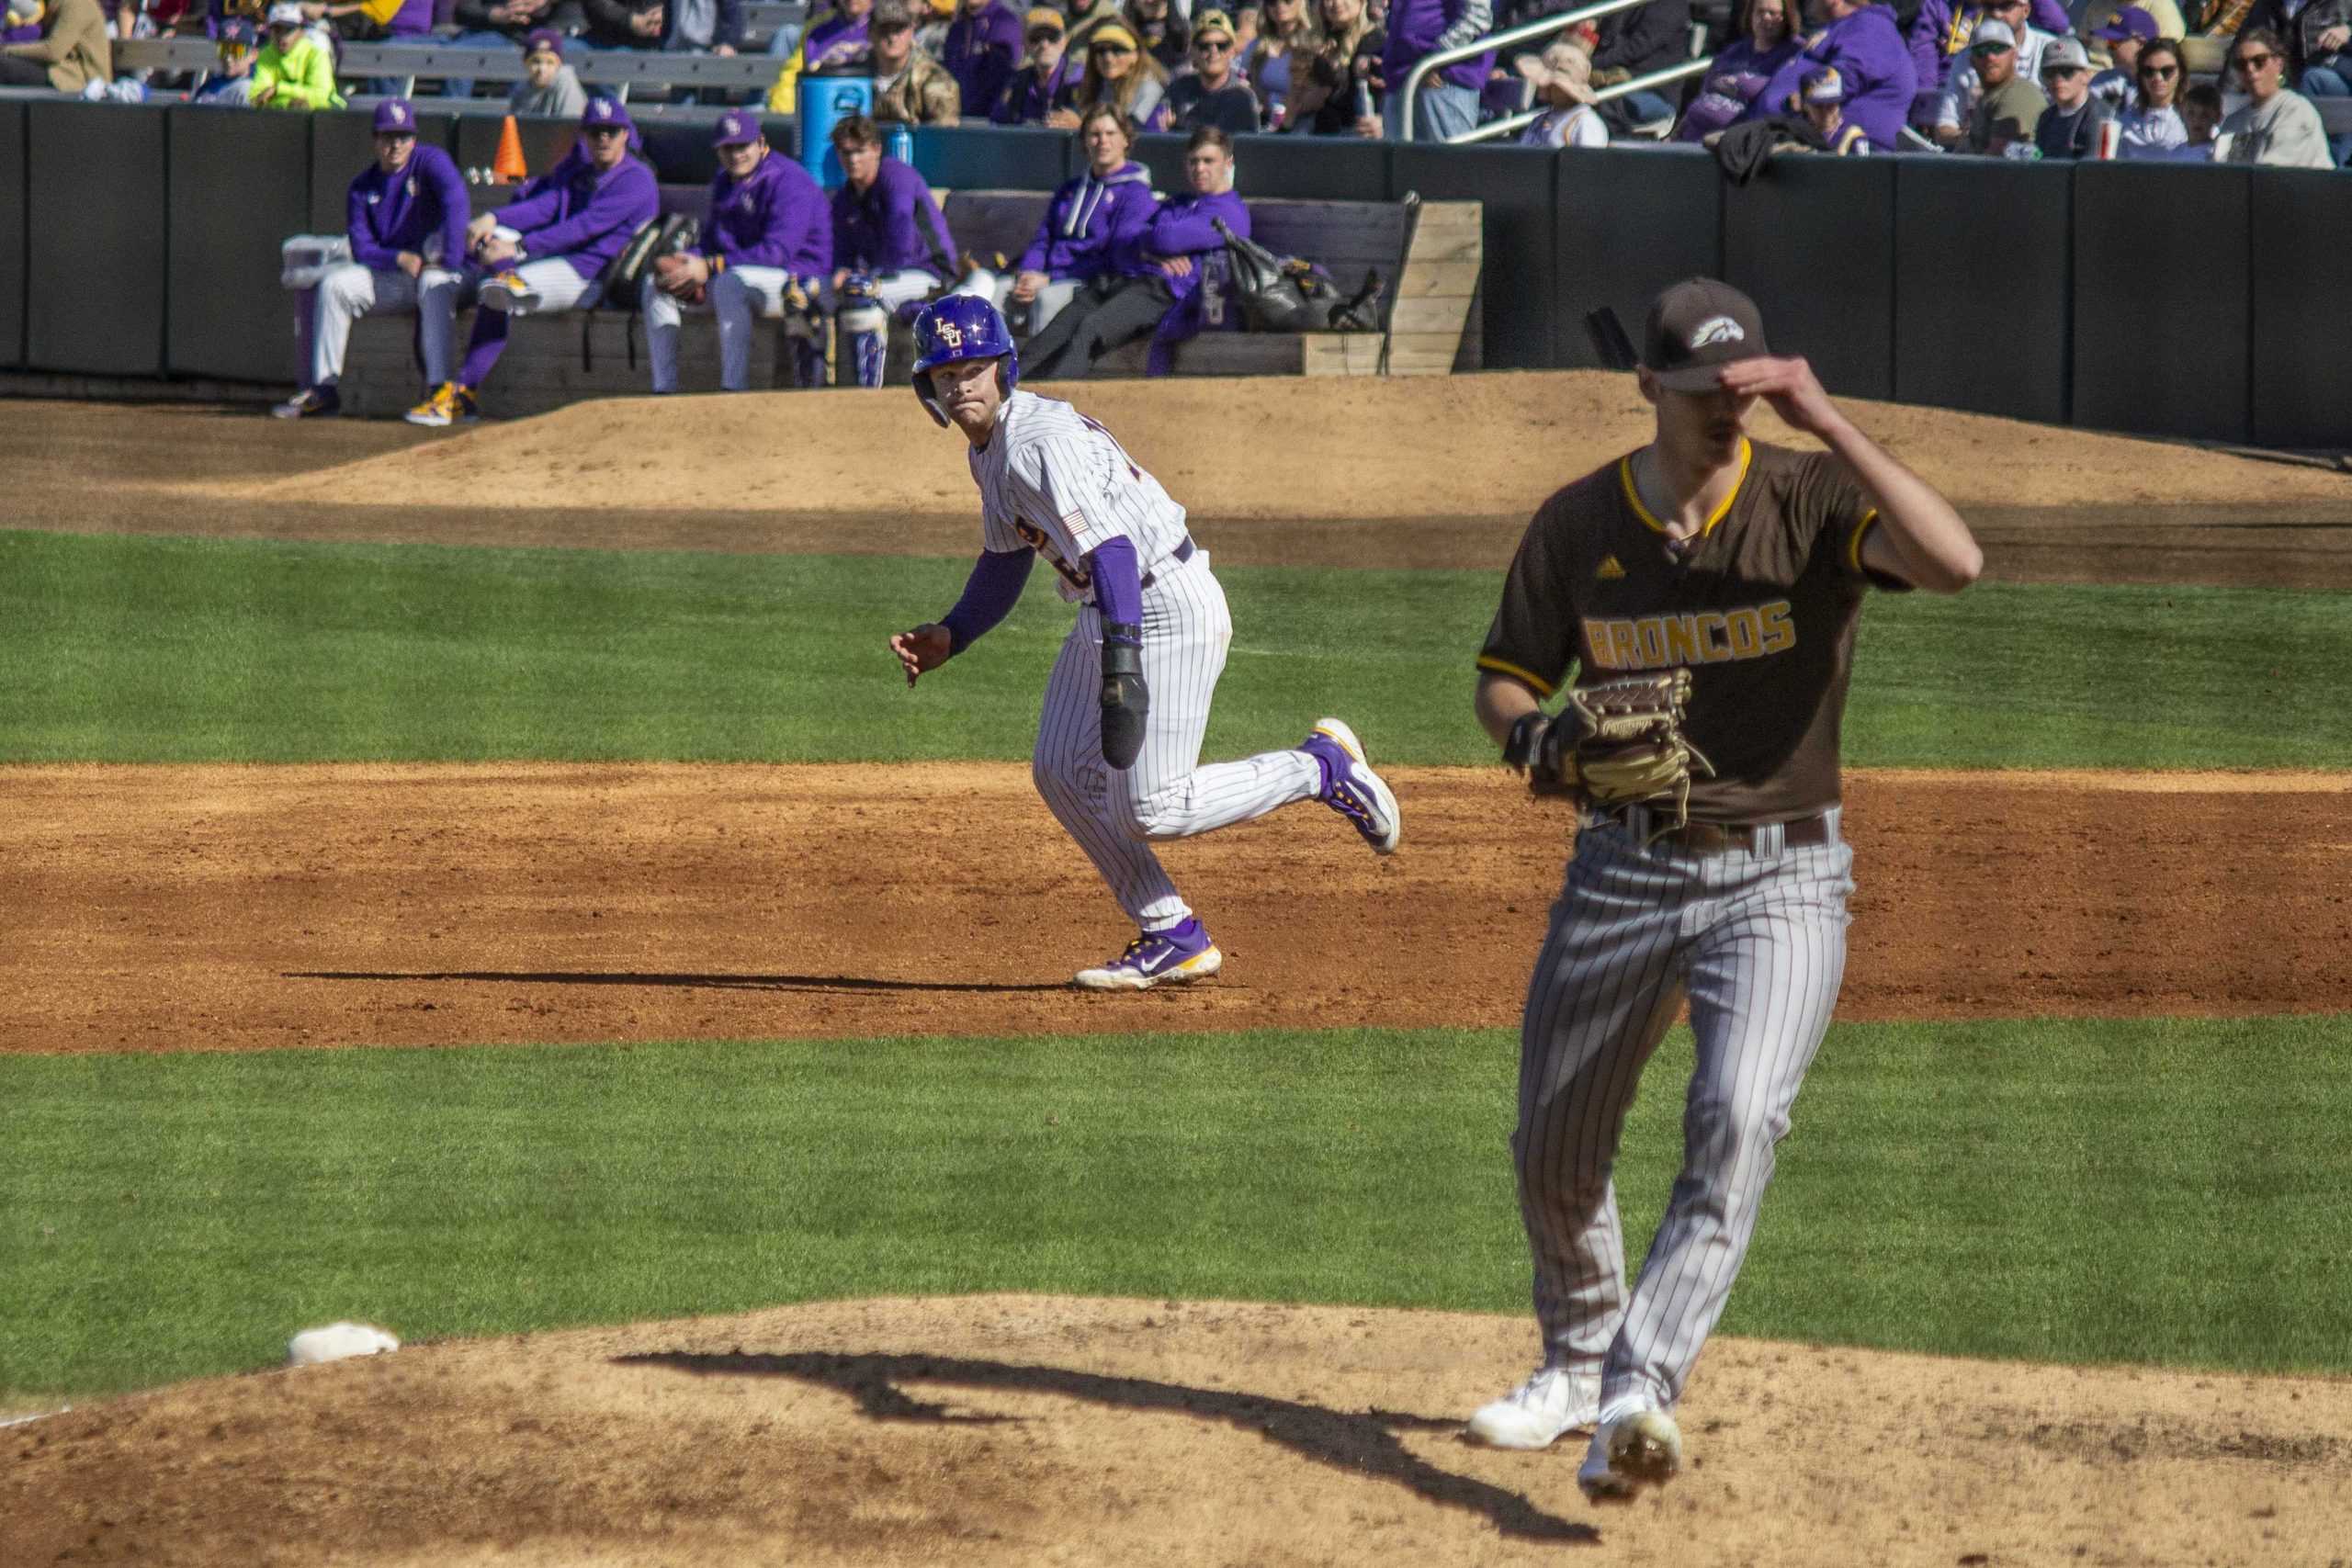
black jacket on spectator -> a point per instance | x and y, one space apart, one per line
608 23
727 30
1232 108
2300 31
1174 49
1323 90
1648 39
565 16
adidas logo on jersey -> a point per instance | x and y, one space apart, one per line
1609 568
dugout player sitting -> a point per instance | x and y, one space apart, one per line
1092 224
890 235
768 242
405 215
1740 568
544 251
1173 282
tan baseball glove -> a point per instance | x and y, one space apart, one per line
1615 743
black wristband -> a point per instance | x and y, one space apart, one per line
1122 648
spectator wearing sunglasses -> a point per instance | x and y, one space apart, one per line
2277 127
1213 91
2009 107
985 46
1117 73
2069 126
2152 127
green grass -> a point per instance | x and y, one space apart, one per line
2157 1192
164 650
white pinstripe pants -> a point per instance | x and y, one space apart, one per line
1756 941
1116 816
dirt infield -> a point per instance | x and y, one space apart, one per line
157 909
239 908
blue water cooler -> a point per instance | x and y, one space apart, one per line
825 102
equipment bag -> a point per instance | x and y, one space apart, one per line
1284 294
620 285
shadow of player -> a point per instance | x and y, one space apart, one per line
851 983
1362 1444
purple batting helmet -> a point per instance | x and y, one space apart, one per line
962 326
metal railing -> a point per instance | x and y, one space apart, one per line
1526 32
1518 122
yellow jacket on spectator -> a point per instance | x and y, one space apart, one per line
303 76
73 45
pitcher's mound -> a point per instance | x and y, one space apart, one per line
1020 1431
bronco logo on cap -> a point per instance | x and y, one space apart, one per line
1715 330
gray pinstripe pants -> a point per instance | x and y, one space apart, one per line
1114 814
1755 942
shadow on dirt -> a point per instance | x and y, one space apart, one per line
713 982
1363 1444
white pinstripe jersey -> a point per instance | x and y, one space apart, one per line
1054 480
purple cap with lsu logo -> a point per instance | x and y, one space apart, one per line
1695 329
602 112
737 127
395 117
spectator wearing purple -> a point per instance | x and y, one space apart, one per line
1742 68
1174 283
984 47
1861 41
1028 95
1447 103
839 40
1094 224
405 220
2152 127
22 24
2125 34
545 251
1822 100
768 242
1634 43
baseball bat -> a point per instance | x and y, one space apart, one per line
1610 344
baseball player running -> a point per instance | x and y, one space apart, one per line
1119 741
1710 565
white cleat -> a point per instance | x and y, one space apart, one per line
1629 1453
1354 790
1553 1401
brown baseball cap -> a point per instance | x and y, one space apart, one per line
1695 329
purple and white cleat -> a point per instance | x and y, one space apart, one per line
1352 788
1180 952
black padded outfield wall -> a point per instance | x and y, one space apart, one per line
1624 226
2161 306
1792 237
2301 336
240 184
12 234
1981 263
96 264
143 240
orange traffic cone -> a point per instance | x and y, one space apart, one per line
508 165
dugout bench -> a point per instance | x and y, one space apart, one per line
1430 253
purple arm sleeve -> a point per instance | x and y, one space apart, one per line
456 210
990 594
1118 581
358 224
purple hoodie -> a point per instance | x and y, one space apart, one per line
775 217
1185 226
894 226
982 51
1940 31
582 213
1734 81
1868 51
385 214
1420 27
846 32
1092 224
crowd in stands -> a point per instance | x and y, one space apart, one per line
1997 77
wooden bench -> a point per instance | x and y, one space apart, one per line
1431 259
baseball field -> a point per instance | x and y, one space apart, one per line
498 887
